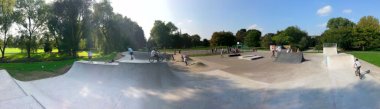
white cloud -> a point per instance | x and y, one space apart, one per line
324 11
347 11
255 26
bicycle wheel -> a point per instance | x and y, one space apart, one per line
151 60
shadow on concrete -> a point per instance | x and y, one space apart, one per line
219 93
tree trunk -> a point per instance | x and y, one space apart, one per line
29 38
4 45
362 48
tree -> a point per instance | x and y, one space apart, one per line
339 22
186 40
340 32
281 38
295 34
253 38
304 43
240 35
367 33
6 20
267 40
195 40
291 35
47 43
222 39
161 33
205 43
35 15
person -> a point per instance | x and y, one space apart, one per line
90 55
153 53
357 66
185 59
130 50
221 52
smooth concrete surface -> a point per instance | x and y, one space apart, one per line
327 51
12 96
314 84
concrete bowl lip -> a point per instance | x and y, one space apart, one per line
97 62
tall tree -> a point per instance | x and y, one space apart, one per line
195 40
339 31
339 22
205 43
35 15
7 18
253 38
70 16
222 39
161 33
240 35
367 33
267 40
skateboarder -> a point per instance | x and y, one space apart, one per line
130 50
357 66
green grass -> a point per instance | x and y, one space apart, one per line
372 57
38 70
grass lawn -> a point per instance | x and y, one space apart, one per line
38 70
372 57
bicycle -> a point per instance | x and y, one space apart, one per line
154 58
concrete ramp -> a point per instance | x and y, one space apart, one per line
13 96
330 49
284 57
341 61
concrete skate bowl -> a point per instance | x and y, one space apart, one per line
341 61
102 86
295 57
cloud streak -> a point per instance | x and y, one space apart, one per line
324 11
255 26
347 11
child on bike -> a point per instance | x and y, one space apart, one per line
154 54
357 66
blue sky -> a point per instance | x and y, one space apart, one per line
204 17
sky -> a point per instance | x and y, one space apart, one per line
204 17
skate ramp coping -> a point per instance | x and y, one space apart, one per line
138 55
250 57
340 61
284 57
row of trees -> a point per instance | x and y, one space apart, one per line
68 25
348 35
253 38
166 35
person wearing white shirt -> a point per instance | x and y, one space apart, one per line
357 66
154 53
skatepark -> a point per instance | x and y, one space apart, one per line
324 81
